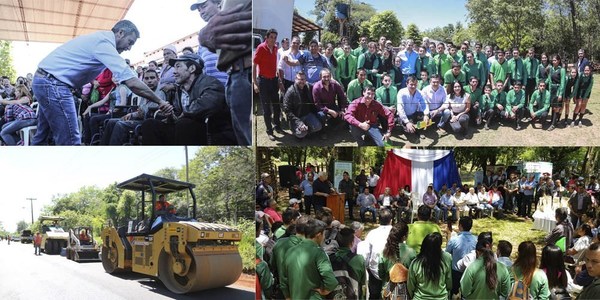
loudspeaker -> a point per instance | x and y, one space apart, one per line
287 175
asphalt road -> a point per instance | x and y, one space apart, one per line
26 276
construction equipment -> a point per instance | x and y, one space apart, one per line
82 246
186 255
54 238
26 236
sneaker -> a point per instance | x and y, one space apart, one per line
271 137
279 130
486 127
551 128
518 127
579 124
573 124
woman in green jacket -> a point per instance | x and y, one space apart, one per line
430 274
485 278
582 93
570 90
525 270
556 85
395 251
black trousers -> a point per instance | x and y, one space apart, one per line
375 286
184 131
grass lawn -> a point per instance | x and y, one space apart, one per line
498 135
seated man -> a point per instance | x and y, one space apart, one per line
117 129
362 114
402 204
539 104
163 207
300 109
199 98
515 103
329 98
84 238
92 122
411 106
367 202
435 96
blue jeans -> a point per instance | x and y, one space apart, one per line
445 213
10 130
120 132
269 100
238 93
498 204
57 115
313 123
373 211
374 133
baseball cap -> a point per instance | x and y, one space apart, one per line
171 47
195 5
188 57
264 175
294 201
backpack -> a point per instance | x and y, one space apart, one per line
330 244
519 289
395 288
347 287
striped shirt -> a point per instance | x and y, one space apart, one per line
210 65
18 112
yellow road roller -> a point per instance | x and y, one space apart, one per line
186 255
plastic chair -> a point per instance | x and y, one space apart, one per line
416 201
28 132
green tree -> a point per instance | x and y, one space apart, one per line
505 22
385 24
6 63
413 33
360 11
330 37
126 208
22 225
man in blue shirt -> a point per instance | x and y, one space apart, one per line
458 247
312 62
75 64
409 61
411 106
307 186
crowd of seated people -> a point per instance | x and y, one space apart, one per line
110 114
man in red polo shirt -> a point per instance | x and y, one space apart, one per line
363 113
265 58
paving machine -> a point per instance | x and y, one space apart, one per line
186 255
82 246
54 237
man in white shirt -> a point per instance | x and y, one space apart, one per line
372 249
372 179
434 96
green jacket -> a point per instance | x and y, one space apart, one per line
359 50
341 68
449 78
424 63
264 277
306 268
500 71
482 58
363 57
417 232
591 291
586 82
279 251
487 102
476 70
380 96
538 74
563 80
517 70
499 98
357 264
407 255
515 99
539 103
420 288
473 283
442 63
531 66
539 283
354 89
475 95
422 84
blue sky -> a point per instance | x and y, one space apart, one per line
41 172
425 14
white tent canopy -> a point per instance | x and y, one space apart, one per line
57 21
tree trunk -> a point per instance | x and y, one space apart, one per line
574 23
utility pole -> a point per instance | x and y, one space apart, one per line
31 199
